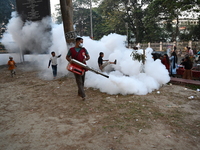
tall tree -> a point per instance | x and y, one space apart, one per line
67 17
6 8
129 12
58 16
112 17
169 13
83 15
147 20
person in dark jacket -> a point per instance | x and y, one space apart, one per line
187 63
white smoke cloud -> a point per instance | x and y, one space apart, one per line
28 36
126 76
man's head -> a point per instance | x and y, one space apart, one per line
53 53
79 42
101 54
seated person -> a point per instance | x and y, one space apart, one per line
100 61
181 63
188 65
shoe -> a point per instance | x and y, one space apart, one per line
115 62
84 98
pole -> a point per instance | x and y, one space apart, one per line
21 54
126 25
91 28
67 17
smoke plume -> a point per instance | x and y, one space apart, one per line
128 76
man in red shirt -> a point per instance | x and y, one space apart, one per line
81 54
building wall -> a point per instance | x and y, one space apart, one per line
5 57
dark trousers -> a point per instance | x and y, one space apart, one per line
80 83
54 68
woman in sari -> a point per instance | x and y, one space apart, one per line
173 63
165 61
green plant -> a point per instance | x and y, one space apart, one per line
137 56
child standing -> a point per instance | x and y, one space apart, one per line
53 62
11 66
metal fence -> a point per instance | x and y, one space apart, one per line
163 46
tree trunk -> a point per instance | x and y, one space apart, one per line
177 28
67 17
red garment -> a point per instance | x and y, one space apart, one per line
11 64
164 61
80 56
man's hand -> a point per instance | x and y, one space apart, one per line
68 58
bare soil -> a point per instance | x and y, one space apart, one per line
38 114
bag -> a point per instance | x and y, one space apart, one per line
75 69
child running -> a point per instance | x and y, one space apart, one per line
11 66
53 62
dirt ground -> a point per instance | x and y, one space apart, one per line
38 114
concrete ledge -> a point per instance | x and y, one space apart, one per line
186 81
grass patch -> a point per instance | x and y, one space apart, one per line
193 87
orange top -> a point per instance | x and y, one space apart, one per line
11 64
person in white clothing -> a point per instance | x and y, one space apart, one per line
53 62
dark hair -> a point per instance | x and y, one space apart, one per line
175 59
78 39
188 58
52 52
175 56
167 57
100 53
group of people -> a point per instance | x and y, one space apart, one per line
78 52
171 64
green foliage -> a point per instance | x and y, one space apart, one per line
6 8
153 32
137 56
83 3
147 20
192 32
82 21
58 14
81 18
166 12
